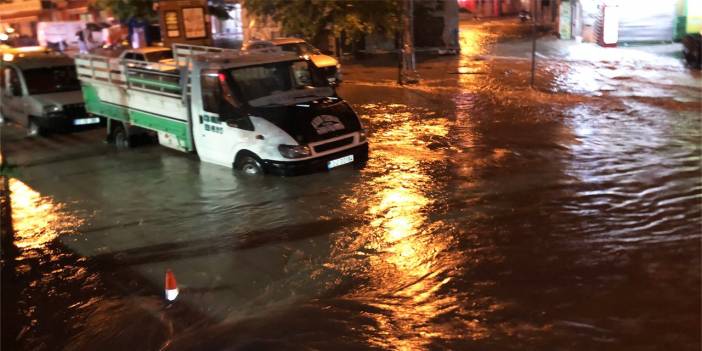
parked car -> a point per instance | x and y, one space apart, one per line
161 57
329 66
157 54
40 90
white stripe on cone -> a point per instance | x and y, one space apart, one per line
171 286
171 294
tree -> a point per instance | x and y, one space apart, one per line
219 9
308 18
144 9
129 9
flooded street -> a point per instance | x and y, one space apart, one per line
490 216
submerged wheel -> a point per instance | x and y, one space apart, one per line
33 129
250 166
121 138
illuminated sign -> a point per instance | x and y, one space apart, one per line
194 22
171 20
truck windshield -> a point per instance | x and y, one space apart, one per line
275 83
49 80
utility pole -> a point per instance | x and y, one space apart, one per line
533 41
407 70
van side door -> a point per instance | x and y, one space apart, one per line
12 95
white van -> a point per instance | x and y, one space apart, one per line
328 65
40 90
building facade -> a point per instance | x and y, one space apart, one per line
635 20
23 16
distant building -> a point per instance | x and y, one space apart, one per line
24 15
435 28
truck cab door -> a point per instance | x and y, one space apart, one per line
12 96
220 127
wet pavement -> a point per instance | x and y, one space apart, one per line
490 216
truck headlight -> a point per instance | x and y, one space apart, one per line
294 151
52 109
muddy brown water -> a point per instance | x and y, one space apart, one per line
489 217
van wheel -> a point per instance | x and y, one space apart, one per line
120 137
250 166
33 129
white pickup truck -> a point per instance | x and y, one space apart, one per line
258 112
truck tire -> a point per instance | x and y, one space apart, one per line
250 166
120 137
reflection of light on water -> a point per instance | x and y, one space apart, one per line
399 273
398 209
407 276
472 42
579 79
37 220
599 144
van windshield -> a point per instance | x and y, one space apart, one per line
49 80
300 48
279 83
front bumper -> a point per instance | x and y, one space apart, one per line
64 122
318 164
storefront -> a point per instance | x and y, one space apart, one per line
636 20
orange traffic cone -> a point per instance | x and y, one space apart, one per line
171 286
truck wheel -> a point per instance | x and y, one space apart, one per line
120 137
250 166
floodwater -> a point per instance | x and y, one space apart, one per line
490 216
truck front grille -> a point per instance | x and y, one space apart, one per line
333 145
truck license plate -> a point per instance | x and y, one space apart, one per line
339 161
84 121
